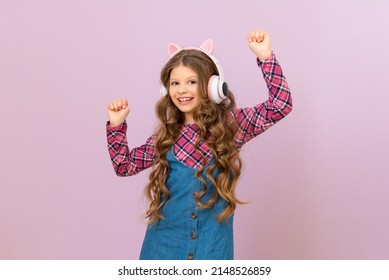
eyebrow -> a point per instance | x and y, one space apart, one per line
188 78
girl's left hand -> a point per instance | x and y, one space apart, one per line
259 43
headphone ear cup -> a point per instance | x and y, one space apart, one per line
213 85
163 91
223 89
217 89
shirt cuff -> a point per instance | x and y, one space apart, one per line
122 127
270 59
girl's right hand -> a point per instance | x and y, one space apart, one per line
117 111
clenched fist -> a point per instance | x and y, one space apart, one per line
117 111
259 43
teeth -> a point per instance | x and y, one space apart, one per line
184 99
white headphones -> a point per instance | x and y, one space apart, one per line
217 87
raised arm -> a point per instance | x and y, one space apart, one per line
126 162
255 120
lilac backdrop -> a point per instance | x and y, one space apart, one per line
318 181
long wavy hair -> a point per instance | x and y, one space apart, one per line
216 126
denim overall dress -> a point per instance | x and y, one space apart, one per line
187 232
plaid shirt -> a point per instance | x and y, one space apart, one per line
251 122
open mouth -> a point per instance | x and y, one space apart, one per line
185 100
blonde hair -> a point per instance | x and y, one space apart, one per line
216 126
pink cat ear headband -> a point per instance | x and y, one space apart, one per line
217 87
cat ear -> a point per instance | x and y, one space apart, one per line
207 46
173 49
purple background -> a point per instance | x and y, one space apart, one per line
318 181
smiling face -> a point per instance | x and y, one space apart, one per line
184 90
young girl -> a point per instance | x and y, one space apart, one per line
194 154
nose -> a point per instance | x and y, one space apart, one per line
182 88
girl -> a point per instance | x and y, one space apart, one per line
194 154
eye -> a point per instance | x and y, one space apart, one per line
192 82
173 83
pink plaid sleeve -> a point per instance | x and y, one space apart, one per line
253 121
128 162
